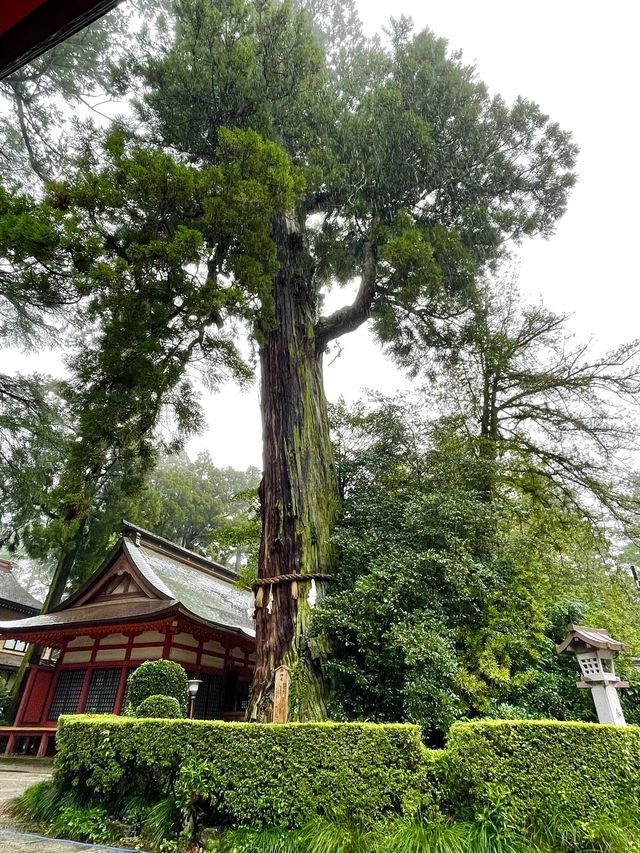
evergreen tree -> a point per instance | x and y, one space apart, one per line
129 236
198 505
415 178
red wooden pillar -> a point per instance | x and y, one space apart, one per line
26 693
44 743
124 675
54 683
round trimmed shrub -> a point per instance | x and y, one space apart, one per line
163 707
158 678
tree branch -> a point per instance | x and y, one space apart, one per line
24 130
351 317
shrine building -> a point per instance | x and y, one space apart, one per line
15 603
149 599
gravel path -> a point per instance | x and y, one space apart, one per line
15 776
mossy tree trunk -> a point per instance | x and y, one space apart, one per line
299 491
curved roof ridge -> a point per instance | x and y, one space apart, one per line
150 539
137 558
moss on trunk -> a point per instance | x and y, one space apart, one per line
299 492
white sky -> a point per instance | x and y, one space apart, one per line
578 60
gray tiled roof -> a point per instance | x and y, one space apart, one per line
184 582
212 598
13 593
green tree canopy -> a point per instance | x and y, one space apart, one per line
151 304
448 604
198 505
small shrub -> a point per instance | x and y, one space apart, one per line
266 839
161 707
158 677
43 802
82 824
340 836
162 822
436 835
40 802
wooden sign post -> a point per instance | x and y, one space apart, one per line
281 694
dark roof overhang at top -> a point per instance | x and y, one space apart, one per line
6 604
28 28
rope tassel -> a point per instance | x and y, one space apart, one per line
313 594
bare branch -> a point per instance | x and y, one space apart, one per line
351 317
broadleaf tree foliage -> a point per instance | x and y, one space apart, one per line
480 517
282 153
448 604
557 411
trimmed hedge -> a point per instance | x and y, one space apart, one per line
247 773
523 774
161 707
542 768
158 678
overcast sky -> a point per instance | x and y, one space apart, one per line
578 60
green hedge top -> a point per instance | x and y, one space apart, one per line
165 707
544 767
248 773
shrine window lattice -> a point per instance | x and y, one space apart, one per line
67 695
208 703
101 697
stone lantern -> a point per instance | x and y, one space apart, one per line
595 651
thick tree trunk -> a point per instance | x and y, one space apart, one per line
299 493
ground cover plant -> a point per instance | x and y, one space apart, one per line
498 787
